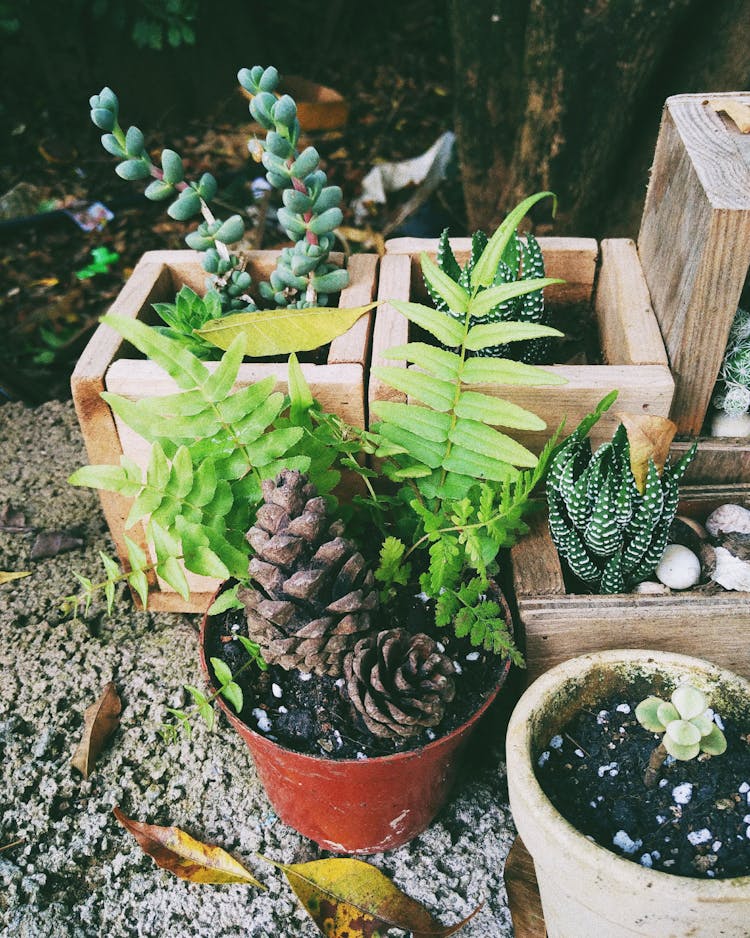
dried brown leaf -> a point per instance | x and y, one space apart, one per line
100 720
650 438
347 897
179 853
52 543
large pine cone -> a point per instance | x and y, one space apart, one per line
399 683
313 594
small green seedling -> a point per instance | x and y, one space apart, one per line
687 727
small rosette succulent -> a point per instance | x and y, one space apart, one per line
685 721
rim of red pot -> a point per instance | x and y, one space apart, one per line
433 744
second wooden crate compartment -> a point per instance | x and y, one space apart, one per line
558 625
606 275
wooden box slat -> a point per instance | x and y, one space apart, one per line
339 384
636 362
694 242
521 885
558 625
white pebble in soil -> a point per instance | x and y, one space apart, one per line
660 819
744 787
261 718
610 769
556 742
716 846
457 668
700 837
602 717
543 759
718 721
473 656
276 691
283 710
681 794
340 682
647 860
679 568
579 753
625 842
304 676
623 708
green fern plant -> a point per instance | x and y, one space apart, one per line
521 260
468 484
211 448
610 511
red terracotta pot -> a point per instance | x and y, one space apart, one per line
352 805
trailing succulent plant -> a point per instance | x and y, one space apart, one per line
610 511
687 727
304 276
521 261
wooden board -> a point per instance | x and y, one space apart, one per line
694 242
558 625
158 276
635 356
523 893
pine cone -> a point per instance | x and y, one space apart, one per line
313 594
399 683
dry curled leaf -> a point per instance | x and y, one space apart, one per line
346 897
52 543
650 438
7 576
179 853
100 721
736 110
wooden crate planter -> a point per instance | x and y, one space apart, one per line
558 625
694 247
608 275
339 384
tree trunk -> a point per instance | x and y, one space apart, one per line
567 96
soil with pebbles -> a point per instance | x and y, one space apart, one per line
695 822
312 714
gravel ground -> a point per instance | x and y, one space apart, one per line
76 872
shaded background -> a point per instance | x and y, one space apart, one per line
542 95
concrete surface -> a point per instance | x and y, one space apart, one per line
77 873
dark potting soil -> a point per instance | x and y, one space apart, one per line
312 714
695 822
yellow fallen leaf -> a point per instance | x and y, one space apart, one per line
282 331
6 577
100 721
650 438
179 853
736 110
351 898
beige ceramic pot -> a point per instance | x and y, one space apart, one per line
587 891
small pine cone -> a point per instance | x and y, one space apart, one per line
399 683
312 595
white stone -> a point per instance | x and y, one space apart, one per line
473 656
543 759
556 742
623 708
728 519
724 424
744 787
699 837
681 794
304 676
649 588
276 691
647 861
625 842
718 721
602 717
679 568
261 718
716 846
731 572
607 769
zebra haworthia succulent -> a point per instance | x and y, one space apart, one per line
610 519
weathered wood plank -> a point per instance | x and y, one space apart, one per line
523 893
353 347
718 460
632 335
694 244
391 328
